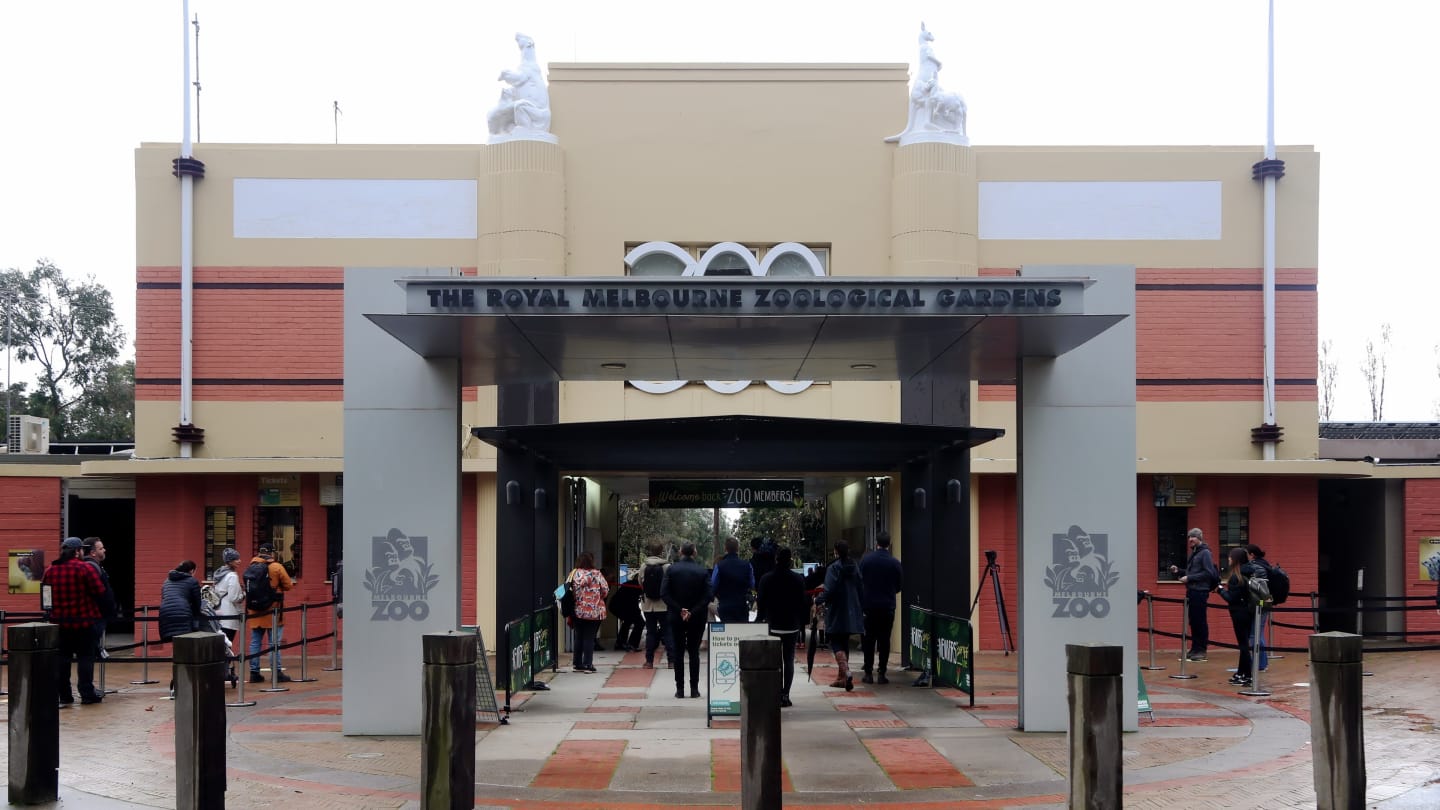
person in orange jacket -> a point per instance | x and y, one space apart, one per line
265 585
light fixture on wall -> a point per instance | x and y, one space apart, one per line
539 499
954 490
512 493
918 498
862 366
613 366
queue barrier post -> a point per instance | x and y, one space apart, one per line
1184 625
304 645
334 639
1255 689
242 672
1150 629
144 649
275 653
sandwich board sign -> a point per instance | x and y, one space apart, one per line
723 698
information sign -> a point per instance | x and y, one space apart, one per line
724 665
695 493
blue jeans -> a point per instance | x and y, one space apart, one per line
257 635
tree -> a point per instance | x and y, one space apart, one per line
1375 365
803 529
1329 370
69 330
107 411
640 525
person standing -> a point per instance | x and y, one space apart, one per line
732 581
180 609
883 578
1200 578
266 582
625 606
686 592
232 598
657 629
590 592
783 603
843 598
94 551
75 596
1241 602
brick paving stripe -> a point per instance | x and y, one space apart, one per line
581 765
892 722
605 724
627 677
725 768
915 765
607 709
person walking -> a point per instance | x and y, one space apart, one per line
266 582
843 599
686 592
732 581
883 578
1236 593
590 592
625 606
76 593
783 603
1200 578
653 607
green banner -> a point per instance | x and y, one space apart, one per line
517 641
953 653
1144 701
542 633
694 493
919 638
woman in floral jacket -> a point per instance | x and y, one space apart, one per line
590 592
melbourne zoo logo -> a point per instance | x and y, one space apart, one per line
399 577
1081 577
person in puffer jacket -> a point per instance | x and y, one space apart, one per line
180 602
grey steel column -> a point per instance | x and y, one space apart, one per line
1337 730
200 664
1096 683
760 682
34 714
447 731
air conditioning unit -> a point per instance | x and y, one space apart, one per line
29 434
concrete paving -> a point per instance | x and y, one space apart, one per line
620 739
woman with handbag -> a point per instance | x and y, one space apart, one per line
590 592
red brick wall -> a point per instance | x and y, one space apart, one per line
1422 519
469 595
1184 332
1283 521
29 519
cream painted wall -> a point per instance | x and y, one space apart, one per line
485 560
1297 204
245 429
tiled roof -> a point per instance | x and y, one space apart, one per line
1380 430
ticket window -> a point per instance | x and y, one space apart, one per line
280 527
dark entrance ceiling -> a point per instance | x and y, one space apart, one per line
732 444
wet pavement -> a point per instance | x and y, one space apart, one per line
620 739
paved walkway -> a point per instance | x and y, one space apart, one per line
619 740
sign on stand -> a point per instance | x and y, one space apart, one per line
723 699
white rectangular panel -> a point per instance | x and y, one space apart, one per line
1081 210
316 208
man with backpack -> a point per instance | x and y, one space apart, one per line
265 585
657 630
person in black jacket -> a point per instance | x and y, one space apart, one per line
1242 611
882 576
731 582
180 611
1200 578
784 604
625 607
687 593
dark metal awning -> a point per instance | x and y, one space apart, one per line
733 443
507 330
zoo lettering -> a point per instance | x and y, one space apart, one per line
768 298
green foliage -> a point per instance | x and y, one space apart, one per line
640 525
803 529
68 329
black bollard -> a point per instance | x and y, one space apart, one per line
34 713
1337 730
200 665
760 682
447 729
1096 676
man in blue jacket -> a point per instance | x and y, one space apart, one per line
732 581
881 575
1200 578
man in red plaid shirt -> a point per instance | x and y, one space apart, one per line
76 593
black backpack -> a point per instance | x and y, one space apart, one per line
259 593
653 578
1279 583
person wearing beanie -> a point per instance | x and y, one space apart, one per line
75 605
258 620
232 598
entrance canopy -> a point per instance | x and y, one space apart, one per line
508 330
732 444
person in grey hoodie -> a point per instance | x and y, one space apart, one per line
1200 578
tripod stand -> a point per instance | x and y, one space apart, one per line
992 571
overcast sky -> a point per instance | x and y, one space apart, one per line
82 83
